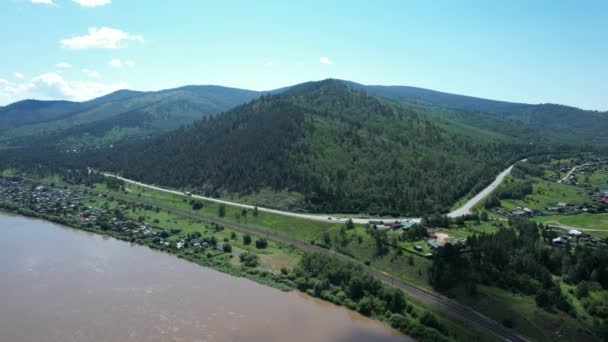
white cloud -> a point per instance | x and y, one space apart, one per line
100 38
46 2
326 61
90 73
92 3
52 86
19 75
118 63
63 65
268 63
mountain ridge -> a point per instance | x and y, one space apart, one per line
341 149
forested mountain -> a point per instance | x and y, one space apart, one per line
344 150
33 111
557 122
117 117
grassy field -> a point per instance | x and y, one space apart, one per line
597 223
521 312
547 194
302 229
275 256
599 179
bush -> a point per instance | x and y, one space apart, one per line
261 243
246 239
227 248
249 259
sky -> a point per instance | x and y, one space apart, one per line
519 50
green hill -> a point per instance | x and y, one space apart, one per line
339 148
543 122
117 117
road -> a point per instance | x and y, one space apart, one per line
570 172
465 209
446 305
562 227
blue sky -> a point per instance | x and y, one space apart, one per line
525 51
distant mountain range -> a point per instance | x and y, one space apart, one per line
131 115
119 116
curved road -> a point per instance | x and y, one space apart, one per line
465 209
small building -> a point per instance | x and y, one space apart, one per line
418 248
407 224
395 226
432 243
518 213
562 204
574 232
559 241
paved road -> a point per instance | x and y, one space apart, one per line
446 305
465 209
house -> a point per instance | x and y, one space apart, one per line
562 204
395 226
418 248
432 243
559 241
406 224
574 232
518 213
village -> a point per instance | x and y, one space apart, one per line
73 207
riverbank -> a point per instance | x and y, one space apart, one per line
97 288
275 280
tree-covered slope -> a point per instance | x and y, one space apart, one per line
344 150
557 123
33 111
120 116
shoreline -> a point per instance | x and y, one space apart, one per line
260 277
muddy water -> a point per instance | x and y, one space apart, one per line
60 284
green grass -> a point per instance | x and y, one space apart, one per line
306 230
529 320
273 257
599 179
585 221
547 194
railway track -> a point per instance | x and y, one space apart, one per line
448 306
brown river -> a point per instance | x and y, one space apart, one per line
61 284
